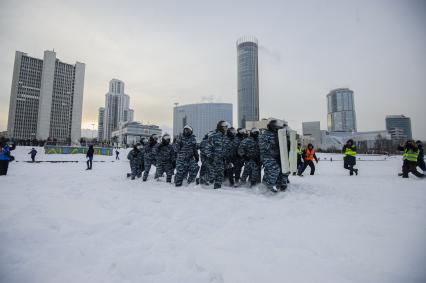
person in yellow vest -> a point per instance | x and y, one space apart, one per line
410 156
299 158
349 160
308 159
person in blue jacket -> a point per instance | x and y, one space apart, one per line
5 156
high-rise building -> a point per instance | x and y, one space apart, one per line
116 108
46 98
399 126
101 118
341 111
313 130
202 117
248 80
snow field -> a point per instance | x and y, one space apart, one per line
60 223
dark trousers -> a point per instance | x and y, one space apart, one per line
349 167
349 163
307 163
410 167
421 164
4 165
33 158
89 162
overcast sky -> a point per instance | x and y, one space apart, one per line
182 51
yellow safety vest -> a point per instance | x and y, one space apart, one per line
299 151
349 151
410 155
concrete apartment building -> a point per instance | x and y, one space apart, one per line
46 98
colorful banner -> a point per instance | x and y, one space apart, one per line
50 149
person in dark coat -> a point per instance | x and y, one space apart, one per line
33 153
89 156
231 158
187 157
117 153
274 178
206 175
149 155
5 156
165 156
349 160
421 157
410 158
135 157
218 147
249 151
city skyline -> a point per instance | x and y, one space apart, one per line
306 49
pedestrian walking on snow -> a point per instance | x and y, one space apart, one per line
33 153
89 156
349 160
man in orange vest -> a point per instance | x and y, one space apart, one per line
308 157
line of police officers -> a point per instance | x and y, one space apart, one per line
224 153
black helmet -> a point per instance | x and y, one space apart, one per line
241 132
254 132
153 139
232 132
350 141
274 125
310 145
222 126
165 139
187 131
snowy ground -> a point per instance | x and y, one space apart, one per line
60 223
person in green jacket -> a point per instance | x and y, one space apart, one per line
410 156
349 160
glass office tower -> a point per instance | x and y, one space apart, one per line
341 111
248 80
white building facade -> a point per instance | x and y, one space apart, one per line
312 130
132 132
202 117
46 98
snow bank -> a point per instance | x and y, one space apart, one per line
60 223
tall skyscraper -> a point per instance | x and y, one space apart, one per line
117 109
202 117
248 80
46 98
101 118
399 126
341 111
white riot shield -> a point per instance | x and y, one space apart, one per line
282 140
293 151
